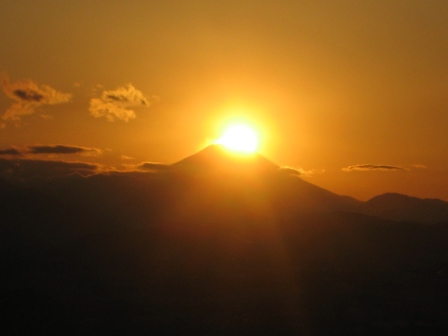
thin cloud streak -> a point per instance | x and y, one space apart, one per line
419 166
153 166
50 149
62 149
10 151
299 171
372 167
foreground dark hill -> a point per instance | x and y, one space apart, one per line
200 251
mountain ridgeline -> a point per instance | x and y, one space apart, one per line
218 243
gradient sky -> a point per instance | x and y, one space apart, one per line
354 93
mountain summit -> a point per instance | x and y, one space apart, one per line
217 159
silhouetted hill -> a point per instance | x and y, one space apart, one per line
406 208
228 173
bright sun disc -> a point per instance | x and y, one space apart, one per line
239 138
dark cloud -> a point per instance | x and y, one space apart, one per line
50 149
28 96
372 167
61 149
23 169
153 166
117 104
10 151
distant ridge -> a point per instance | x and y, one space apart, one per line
402 208
217 159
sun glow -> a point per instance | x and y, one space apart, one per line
239 138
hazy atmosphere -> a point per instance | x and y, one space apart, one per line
353 94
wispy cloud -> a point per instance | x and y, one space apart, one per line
152 166
299 171
28 96
62 149
10 151
419 166
116 104
372 167
49 149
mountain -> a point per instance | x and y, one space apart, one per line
234 174
399 207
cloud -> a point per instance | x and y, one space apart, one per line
62 149
299 171
46 116
10 151
290 171
28 96
372 167
116 104
419 166
50 149
153 166
24 169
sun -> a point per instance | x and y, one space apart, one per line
239 138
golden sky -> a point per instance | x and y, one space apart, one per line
354 93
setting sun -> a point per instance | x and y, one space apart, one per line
239 138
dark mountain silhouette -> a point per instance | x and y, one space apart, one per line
218 166
213 179
399 207
218 244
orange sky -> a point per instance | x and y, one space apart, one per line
355 93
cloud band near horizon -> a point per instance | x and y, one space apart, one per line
50 149
372 167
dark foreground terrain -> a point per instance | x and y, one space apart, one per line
235 255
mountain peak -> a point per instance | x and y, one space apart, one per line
217 159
